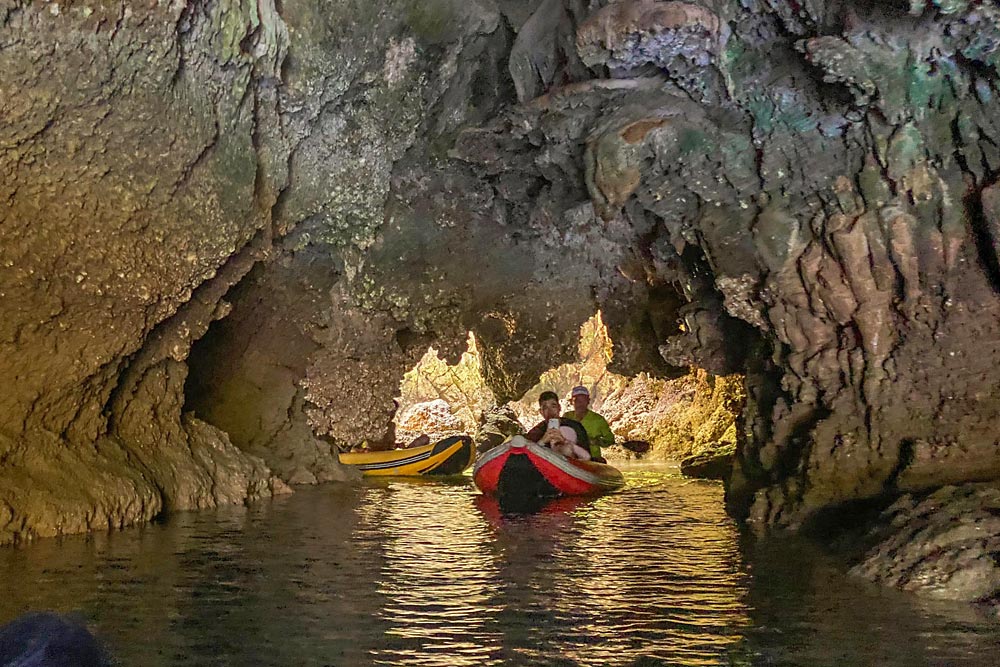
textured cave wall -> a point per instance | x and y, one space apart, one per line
809 195
134 195
426 255
369 88
154 157
883 298
818 185
246 372
451 261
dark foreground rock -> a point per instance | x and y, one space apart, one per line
716 462
945 544
48 640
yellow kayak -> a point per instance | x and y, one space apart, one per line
450 456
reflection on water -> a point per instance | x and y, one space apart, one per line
400 572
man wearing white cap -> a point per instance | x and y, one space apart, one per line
596 426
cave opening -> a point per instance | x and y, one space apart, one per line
245 375
679 417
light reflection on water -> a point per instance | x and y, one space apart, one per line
401 572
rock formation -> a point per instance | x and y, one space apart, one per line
803 191
433 418
689 416
137 190
943 544
497 425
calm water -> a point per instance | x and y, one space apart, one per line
422 573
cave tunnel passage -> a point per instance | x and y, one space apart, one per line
246 375
678 417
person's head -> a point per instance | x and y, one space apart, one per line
581 398
46 638
548 405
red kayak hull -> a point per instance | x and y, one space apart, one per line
521 467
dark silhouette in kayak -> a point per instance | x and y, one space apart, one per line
44 639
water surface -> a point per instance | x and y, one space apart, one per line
404 572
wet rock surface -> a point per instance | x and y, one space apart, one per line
943 544
714 462
805 192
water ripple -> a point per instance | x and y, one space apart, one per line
416 572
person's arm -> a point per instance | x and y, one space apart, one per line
537 431
604 436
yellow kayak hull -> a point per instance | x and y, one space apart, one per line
450 456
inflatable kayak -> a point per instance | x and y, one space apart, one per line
521 468
446 457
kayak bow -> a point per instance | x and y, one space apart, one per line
519 467
449 456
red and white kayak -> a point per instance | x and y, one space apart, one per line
521 468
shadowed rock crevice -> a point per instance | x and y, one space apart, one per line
984 218
247 371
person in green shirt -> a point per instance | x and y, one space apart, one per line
596 426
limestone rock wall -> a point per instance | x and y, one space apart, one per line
679 418
135 194
374 94
246 372
941 544
157 155
812 193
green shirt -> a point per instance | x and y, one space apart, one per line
597 430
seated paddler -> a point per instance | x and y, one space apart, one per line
561 434
598 431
